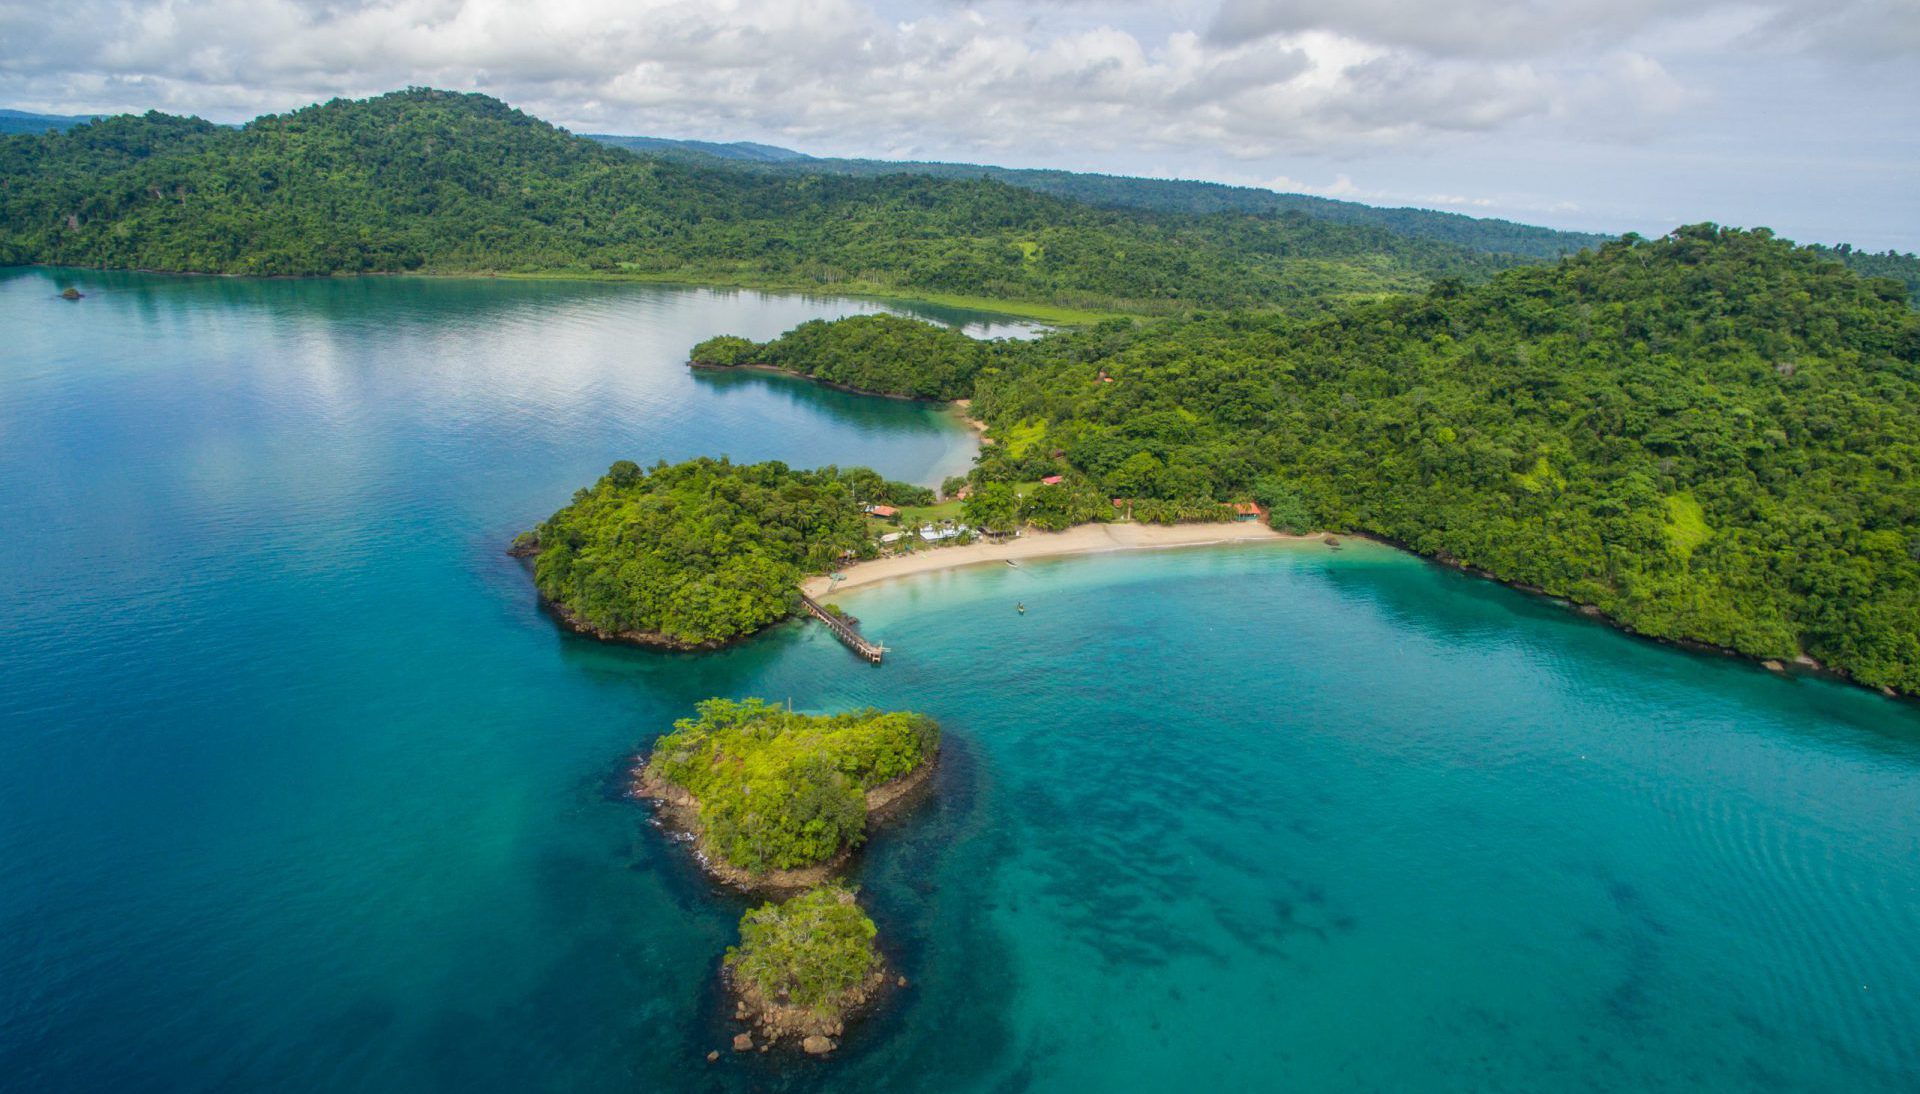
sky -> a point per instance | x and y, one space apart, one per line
1607 115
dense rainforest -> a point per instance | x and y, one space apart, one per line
445 182
1713 436
701 552
1487 235
439 181
778 790
1483 234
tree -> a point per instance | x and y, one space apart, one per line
993 508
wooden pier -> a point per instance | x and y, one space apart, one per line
843 630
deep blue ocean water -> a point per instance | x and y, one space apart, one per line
300 791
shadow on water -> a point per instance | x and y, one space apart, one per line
402 298
861 411
1467 613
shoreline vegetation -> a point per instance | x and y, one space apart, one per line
873 354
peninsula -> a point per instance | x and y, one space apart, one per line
698 554
1704 438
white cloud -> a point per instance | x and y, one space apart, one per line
998 76
1255 87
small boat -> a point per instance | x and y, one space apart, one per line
1021 608
1012 563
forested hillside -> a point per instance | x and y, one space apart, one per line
1485 235
21 121
1904 268
437 181
1713 436
1482 234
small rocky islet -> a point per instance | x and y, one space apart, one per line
774 802
803 968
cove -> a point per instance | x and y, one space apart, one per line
303 792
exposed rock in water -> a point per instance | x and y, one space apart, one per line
743 1042
816 1045
71 293
1773 666
714 1056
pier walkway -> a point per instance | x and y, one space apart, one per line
843 630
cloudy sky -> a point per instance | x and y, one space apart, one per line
1616 115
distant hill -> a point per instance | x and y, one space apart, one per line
20 121
1482 234
736 150
441 181
1159 195
1904 268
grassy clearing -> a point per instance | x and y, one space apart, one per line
1686 524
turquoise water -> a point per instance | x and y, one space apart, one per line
301 792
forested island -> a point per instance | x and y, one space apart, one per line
775 799
697 554
1708 437
802 968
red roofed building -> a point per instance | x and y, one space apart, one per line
883 510
1246 510
1052 480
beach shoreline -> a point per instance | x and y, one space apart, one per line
1084 539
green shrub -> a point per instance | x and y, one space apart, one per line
811 950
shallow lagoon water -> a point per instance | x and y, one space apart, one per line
300 790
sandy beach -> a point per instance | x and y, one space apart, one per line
1082 540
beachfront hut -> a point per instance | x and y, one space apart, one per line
1246 510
